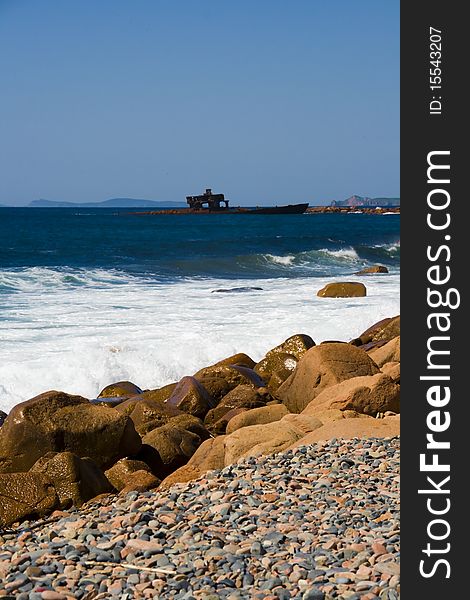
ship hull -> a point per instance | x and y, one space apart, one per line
290 209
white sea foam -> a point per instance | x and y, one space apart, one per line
281 260
78 331
347 254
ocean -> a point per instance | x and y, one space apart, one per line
93 296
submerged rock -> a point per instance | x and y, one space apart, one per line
236 290
372 270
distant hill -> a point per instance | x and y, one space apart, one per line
111 203
364 201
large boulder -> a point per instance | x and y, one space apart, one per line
219 379
148 414
167 448
220 426
131 475
209 456
219 367
383 330
321 367
58 422
25 495
281 363
192 424
243 396
140 481
257 416
343 289
369 395
392 369
296 345
76 480
121 388
366 427
389 352
118 475
191 397
161 394
269 438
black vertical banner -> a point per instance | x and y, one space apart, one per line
435 243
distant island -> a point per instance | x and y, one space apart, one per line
364 201
351 202
111 203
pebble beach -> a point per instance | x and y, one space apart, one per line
315 522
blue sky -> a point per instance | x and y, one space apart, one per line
268 101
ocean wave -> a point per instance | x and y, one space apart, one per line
79 339
335 261
43 279
280 260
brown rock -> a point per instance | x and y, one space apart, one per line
296 345
167 448
372 270
3 416
392 369
270 438
277 379
148 414
220 426
161 394
209 456
281 363
219 379
76 480
25 495
140 481
369 395
386 329
58 422
121 388
334 414
243 396
257 416
192 424
365 427
390 352
218 386
219 368
302 422
191 397
321 367
343 289
120 473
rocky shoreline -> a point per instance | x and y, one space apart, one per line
110 492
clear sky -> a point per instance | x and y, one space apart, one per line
267 101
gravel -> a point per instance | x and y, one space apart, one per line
315 523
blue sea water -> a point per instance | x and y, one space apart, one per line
173 246
91 296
